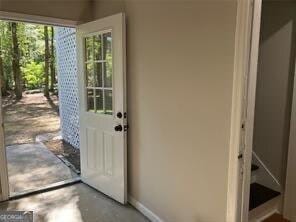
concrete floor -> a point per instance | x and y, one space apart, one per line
33 166
75 203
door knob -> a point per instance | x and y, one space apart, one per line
118 128
119 115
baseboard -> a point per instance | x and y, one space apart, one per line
144 210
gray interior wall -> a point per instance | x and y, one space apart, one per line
77 10
275 85
179 73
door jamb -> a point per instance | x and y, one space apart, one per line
242 115
19 17
250 101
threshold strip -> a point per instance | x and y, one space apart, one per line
50 187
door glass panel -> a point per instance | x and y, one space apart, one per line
88 49
107 43
108 102
89 74
98 47
99 101
99 73
108 74
90 100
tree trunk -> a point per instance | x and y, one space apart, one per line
52 62
46 61
2 77
18 81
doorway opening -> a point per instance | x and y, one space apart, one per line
271 94
40 106
92 105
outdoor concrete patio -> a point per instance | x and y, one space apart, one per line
33 166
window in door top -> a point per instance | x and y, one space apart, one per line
98 73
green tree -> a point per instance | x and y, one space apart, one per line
33 75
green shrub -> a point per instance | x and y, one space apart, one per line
33 75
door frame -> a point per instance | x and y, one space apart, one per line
243 108
19 17
289 191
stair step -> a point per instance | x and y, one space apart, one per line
276 218
260 194
254 167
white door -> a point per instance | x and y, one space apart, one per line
102 113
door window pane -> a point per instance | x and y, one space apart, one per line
108 74
99 101
89 74
98 47
90 100
108 102
107 43
88 49
98 74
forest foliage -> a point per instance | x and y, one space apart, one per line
27 58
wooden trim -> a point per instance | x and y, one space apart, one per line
13 16
249 106
241 69
46 188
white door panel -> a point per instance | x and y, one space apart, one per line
101 68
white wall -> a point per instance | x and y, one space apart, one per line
180 70
274 85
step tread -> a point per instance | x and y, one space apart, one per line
260 194
276 218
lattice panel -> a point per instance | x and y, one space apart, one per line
67 84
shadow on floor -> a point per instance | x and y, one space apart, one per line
76 203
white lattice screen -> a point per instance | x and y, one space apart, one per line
67 84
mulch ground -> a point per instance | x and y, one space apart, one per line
61 147
33 115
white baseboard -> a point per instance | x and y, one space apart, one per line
144 210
